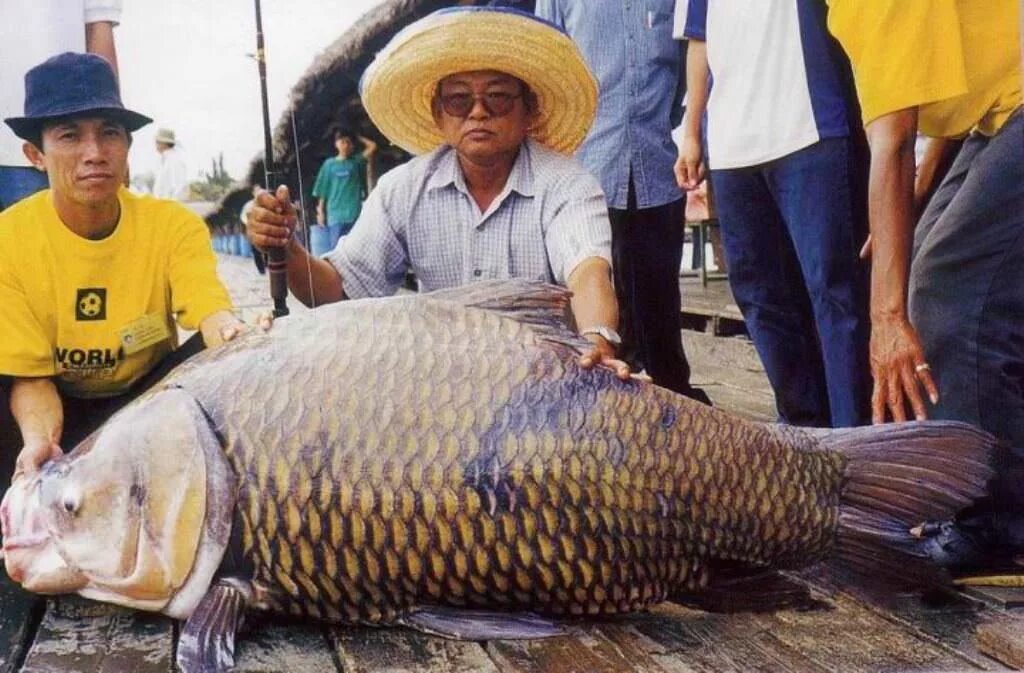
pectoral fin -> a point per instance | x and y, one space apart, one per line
458 624
207 640
739 589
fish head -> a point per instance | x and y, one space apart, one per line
120 518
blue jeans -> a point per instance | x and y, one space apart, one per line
966 294
17 182
320 240
337 230
792 230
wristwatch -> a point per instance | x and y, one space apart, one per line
607 333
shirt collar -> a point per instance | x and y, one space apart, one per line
447 172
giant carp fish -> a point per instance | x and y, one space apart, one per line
443 462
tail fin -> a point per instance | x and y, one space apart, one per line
897 477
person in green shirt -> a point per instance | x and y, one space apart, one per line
341 185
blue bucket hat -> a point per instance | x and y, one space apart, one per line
72 84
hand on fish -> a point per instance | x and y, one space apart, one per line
603 355
224 326
34 453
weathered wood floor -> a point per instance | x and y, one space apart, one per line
848 633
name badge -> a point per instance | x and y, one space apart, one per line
143 332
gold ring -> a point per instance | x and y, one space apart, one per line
924 366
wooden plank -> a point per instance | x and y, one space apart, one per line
714 642
588 650
1003 639
362 650
268 647
80 637
19 612
853 638
1003 597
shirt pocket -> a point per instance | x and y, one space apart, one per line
662 47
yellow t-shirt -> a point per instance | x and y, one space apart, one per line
957 60
66 301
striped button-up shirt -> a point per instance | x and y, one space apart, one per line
550 216
629 47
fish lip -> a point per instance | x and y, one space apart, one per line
25 542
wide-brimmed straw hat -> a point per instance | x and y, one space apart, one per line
68 85
398 87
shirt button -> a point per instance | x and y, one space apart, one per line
477 273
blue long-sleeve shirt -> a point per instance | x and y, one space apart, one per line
628 45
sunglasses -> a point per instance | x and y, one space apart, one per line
497 103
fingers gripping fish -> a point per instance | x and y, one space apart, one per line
442 462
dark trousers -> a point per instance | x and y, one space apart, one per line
81 416
792 230
647 248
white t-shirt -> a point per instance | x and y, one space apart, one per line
171 177
778 78
32 31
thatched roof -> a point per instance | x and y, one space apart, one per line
328 96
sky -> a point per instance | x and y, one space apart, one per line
186 64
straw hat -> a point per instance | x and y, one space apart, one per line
166 136
399 85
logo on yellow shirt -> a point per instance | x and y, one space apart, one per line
91 304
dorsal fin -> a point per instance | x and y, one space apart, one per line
543 306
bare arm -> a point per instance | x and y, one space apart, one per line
938 157
36 407
896 350
99 39
321 218
594 304
690 165
271 223
369 147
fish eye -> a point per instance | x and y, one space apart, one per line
70 504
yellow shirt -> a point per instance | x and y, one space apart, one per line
958 61
79 309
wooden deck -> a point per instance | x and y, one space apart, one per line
848 633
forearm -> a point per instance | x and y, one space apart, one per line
697 74
891 211
99 39
37 409
593 296
938 157
313 281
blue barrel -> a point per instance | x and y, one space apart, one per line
245 247
319 240
233 244
218 243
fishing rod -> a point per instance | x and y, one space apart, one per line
276 263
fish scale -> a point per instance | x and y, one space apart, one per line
462 462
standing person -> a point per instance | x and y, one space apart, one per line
947 296
93 279
31 32
171 177
788 180
629 47
341 185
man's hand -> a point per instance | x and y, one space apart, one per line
603 354
36 452
272 219
689 166
900 371
223 326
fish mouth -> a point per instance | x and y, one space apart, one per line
23 542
